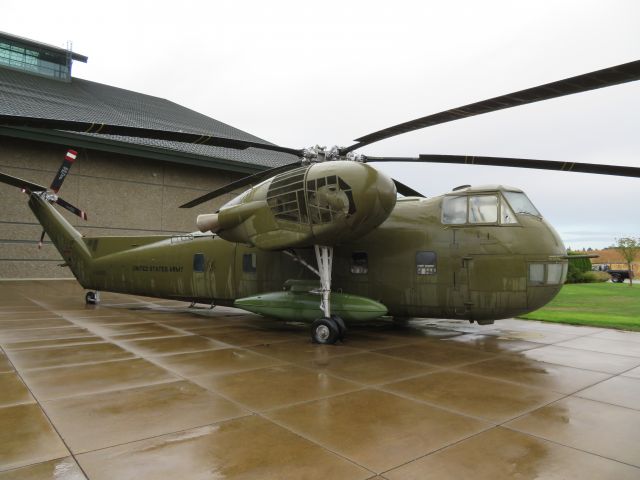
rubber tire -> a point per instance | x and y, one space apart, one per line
616 279
342 328
90 298
325 331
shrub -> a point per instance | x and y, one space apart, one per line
582 264
595 277
574 274
577 269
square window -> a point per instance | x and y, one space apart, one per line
426 263
359 263
554 273
249 263
454 210
536 272
198 262
483 209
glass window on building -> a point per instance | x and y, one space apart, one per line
39 61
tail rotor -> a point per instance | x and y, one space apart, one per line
51 194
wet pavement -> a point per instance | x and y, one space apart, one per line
139 388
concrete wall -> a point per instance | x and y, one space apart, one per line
122 195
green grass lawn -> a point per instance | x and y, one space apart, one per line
597 304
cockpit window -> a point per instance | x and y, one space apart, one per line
483 209
454 210
506 214
477 209
520 203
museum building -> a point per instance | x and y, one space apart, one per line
127 186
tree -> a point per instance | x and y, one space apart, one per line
628 247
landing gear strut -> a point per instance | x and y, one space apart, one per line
330 328
92 298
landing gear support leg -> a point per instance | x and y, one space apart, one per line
330 328
324 256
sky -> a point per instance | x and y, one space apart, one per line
305 73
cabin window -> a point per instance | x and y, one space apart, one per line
426 263
554 273
454 210
198 262
249 264
359 263
547 273
483 209
536 272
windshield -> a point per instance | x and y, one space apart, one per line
520 203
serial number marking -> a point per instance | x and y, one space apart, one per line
158 268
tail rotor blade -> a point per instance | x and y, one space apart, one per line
73 209
63 171
20 183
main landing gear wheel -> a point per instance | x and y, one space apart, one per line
325 331
342 328
92 298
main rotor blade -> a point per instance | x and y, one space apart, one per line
24 184
243 182
627 72
596 168
139 132
406 190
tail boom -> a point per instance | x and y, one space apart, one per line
67 240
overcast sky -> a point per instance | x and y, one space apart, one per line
303 73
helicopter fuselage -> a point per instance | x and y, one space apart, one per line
417 263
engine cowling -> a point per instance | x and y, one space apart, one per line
322 204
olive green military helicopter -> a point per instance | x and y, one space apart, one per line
326 239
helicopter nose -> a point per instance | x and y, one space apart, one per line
546 268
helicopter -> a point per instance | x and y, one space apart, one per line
327 240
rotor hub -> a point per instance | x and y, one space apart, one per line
319 154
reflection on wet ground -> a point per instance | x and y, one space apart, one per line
139 388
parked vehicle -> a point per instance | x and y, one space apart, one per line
618 276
